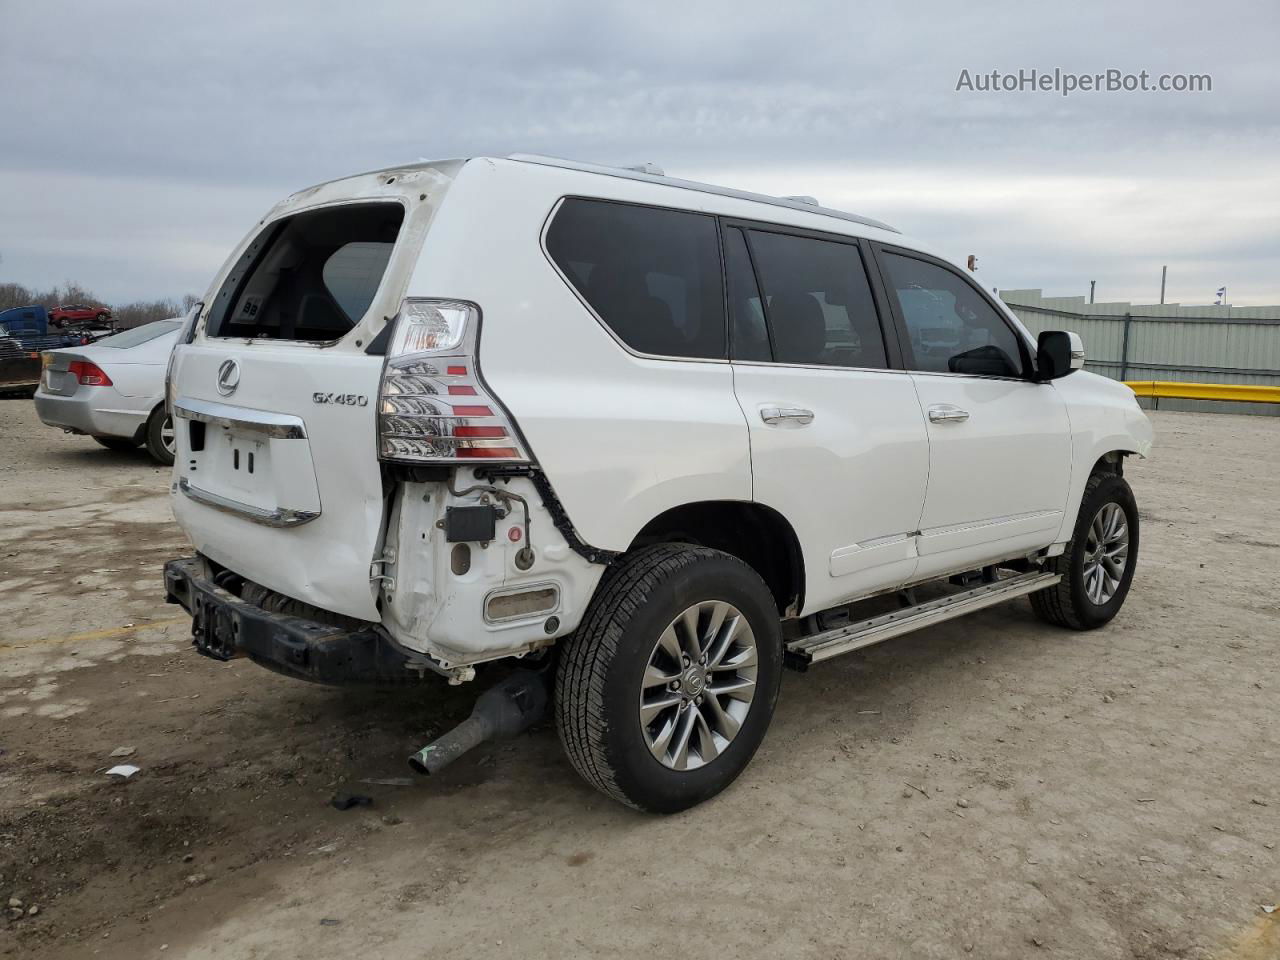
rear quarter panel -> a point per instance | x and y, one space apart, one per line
621 437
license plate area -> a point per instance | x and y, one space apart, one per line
261 469
238 464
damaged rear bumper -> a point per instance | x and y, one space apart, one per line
224 627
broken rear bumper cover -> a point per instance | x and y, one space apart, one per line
224 627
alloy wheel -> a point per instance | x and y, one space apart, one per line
698 685
1106 553
167 436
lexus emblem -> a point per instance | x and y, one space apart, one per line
228 377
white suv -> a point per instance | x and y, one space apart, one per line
654 437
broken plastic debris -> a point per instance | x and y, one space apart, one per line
1270 909
124 771
123 752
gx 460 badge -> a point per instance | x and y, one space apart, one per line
345 399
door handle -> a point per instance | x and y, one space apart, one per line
786 415
947 413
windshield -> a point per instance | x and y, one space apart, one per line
140 335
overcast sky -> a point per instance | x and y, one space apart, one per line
140 140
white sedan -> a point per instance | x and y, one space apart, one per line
113 390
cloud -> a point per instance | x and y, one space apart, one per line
146 139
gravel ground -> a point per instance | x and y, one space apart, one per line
989 787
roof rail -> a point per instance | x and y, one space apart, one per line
651 173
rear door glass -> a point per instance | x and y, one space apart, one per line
818 301
652 275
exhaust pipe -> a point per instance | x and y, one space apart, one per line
502 711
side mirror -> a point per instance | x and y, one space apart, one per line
1058 353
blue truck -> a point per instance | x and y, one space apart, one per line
24 332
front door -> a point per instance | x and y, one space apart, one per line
999 443
838 442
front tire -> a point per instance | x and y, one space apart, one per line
160 436
1098 563
667 687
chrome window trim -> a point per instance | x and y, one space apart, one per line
973 376
774 365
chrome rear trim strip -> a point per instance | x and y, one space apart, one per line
277 426
279 517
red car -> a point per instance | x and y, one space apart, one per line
78 313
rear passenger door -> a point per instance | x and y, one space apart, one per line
999 442
838 442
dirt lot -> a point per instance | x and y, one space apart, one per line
990 787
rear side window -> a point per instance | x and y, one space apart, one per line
818 301
951 327
652 275
311 276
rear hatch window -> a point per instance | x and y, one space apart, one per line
310 276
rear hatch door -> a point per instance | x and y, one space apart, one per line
277 475
274 485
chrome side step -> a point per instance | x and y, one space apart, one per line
865 633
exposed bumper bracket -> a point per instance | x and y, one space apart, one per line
224 627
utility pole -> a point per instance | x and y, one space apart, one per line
1092 284
1164 273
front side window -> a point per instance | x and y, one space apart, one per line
818 301
951 327
652 275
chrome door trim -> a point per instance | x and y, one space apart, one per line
947 413
786 414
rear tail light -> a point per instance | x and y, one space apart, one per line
89 374
432 405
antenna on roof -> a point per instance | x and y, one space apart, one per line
805 198
652 169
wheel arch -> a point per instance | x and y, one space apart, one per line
758 535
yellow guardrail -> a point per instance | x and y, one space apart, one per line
1249 393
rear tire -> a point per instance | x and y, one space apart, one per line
160 436
117 443
705 627
1098 563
